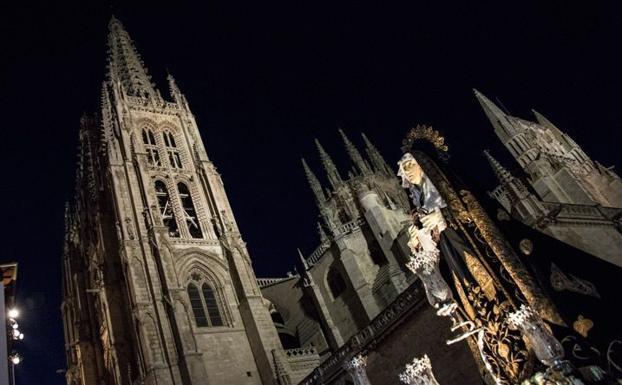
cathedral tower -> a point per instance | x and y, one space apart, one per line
566 194
158 283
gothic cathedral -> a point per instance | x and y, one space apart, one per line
158 283
564 193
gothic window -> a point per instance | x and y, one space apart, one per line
151 147
212 306
204 305
166 211
189 212
336 284
172 150
344 217
197 305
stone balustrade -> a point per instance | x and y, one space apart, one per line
369 336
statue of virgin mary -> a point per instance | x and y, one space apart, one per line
478 266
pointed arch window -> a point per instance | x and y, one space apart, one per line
153 158
189 212
172 150
336 283
213 311
197 306
204 305
166 210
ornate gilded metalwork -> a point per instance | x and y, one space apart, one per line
583 325
561 281
509 260
502 349
423 132
481 275
455 205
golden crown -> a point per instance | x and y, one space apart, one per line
423 132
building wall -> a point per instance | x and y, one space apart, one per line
569 193
128 313
423 333
407 328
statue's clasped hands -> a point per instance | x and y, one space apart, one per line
434 221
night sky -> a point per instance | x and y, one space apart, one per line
263 81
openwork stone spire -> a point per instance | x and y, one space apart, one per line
316 187
377 160
492 111
175 92
331 171
125 65
355 155
501 172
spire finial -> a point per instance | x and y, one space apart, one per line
496 116
174 91
377 160
303 260
316 187
355 155
501 172
543 121
333 174
125 64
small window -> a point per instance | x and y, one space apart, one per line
153 157
166 211
172 150
336 284
197 306
189 212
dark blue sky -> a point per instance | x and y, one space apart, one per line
263 80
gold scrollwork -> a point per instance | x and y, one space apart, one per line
510 261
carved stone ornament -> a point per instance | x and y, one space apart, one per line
560 282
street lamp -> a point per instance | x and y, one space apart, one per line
15 359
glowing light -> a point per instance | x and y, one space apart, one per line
13 313
15 325
21 336
15 359
16 333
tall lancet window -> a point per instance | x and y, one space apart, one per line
197 305
166 211
151 147
213 311
189 212
172 150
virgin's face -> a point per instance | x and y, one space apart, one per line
412 172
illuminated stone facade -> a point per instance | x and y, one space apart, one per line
158 283
353 294
564 193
